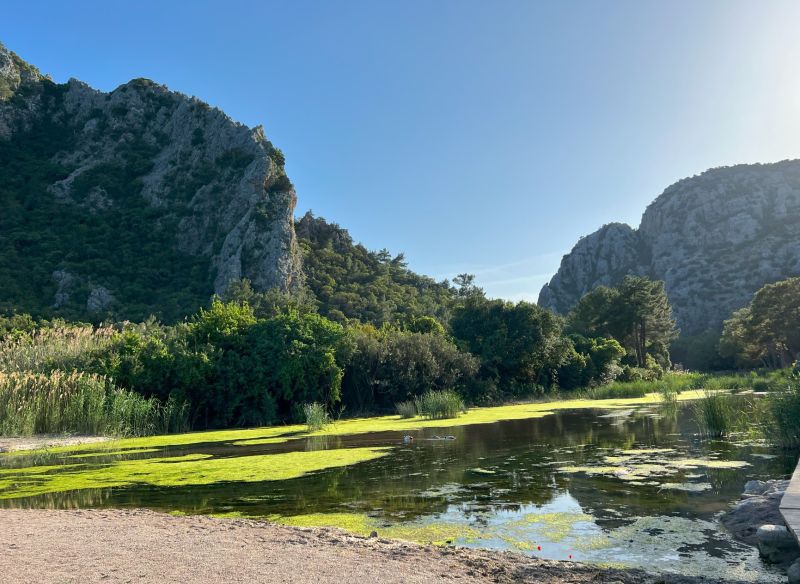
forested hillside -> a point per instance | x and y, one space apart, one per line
136 202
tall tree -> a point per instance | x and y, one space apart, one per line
768 330
644 308
636 313
520 346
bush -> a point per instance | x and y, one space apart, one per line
436 405
390 366
316 416
406 409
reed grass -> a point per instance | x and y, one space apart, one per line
437 405
406 409
671 383
316 416
47 349
783 416
720 414
81 403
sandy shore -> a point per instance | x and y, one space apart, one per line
140 546
10 444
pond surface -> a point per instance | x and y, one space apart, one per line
632 487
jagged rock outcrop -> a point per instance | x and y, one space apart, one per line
155 197
714 239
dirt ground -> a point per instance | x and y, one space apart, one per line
139 546
45 441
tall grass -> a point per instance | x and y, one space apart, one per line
719 414
670 383
619 390
47 349
783 416
59 402
316 416
436 405
406 409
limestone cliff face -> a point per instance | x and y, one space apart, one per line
714 239
214 190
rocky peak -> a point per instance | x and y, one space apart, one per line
161 167
714 239
14 72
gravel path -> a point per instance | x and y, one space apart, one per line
140 546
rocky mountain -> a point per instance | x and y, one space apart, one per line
137 201
714 239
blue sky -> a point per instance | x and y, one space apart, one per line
474 136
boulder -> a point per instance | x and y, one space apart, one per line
744 519
755 487
777 544
794 572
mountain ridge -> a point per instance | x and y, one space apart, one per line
714 238
101 179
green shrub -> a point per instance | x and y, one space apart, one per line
437 405
406 409
316 416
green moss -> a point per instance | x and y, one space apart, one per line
191 469
356 523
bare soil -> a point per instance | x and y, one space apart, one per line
40 546
10 444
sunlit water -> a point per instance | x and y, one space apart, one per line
633 488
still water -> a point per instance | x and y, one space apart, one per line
632 487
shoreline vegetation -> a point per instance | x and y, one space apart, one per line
722 404
388 423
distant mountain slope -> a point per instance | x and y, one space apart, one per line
350 281
133 202
714 239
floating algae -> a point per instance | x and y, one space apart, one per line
436 533
191 469
635 465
